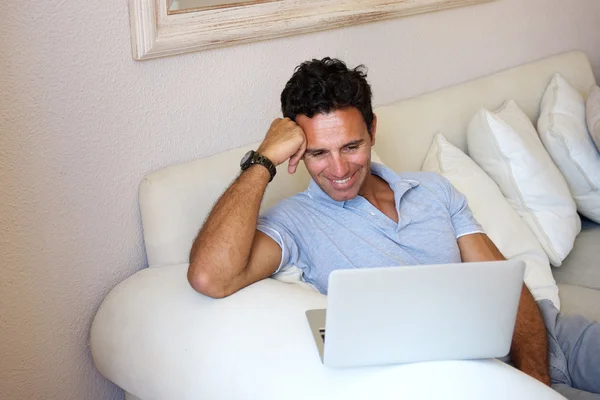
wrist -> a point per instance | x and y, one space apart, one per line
538 372
268 155
545 379
259 171
252 158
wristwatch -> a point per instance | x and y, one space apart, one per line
252 157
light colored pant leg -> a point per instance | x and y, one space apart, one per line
574 349
574 394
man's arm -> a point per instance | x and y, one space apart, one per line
229 253
220 256
529 350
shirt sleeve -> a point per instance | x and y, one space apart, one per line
273 224
462 218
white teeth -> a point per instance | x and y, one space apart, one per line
342 181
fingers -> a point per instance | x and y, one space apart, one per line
295 159
275 122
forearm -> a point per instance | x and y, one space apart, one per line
221 250
529 350
478 247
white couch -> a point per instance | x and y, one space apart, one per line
158 339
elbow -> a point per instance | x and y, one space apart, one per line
203 282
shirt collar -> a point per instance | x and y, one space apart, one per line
399 185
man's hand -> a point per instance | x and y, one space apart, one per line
284 140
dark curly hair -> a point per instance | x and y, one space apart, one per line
322 86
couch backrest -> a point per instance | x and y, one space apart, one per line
405 129
175 201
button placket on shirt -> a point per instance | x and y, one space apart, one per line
362 205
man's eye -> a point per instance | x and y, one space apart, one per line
317 153
351 148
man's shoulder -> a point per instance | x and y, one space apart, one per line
289 205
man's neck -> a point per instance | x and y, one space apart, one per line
379 193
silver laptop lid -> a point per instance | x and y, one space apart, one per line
406 314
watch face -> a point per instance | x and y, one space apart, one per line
246 158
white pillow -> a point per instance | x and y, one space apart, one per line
499 220
592 115
505 144
563 131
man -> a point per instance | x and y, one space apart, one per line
359 214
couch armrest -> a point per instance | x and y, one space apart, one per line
157 338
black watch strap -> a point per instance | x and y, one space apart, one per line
252 157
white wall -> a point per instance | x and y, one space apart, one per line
81 123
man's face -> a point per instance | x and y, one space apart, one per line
338 151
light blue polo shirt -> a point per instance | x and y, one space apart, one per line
319 234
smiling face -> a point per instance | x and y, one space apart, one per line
338 152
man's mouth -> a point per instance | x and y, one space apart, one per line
342 181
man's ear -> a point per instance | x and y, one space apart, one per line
373 130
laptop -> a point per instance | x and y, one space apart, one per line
396 315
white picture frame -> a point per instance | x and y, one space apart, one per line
157 33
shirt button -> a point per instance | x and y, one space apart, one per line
372 213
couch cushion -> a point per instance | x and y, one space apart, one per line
577 300
582 266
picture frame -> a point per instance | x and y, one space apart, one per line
156 32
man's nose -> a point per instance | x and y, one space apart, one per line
339 166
